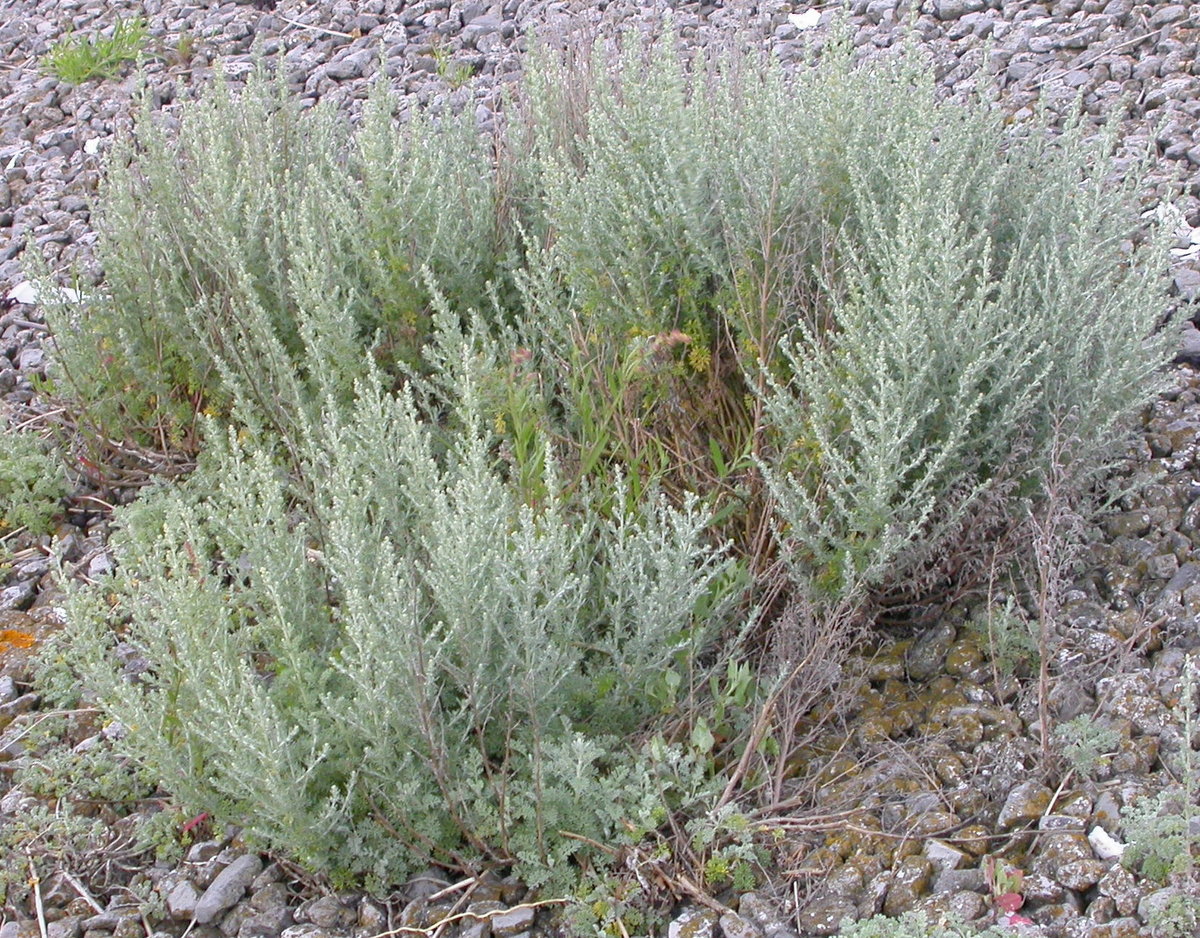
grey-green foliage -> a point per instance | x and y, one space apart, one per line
396 660
32 482
1178 917
917 925
1010 643
415 642
940 305
60 838
232 234
70 797
1160 829
634 219
986 319
1087 744
663 188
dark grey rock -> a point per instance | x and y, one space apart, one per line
231 923
480 925
307 930
1165 15
26 703
1187 280
1025 804
945 856
111 920
424 885
1131 697
182 900
269 924
69 926
489 888
268 897
512 922
1069 698
351 66
927 656
1121 886
19 596
825 914
1080 875
371 916
760 912
946 10
911 880
203 853
272 873
954 881
328 912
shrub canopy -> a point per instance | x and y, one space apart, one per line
495 427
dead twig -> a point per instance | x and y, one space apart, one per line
453 888
697 895
432 930
83 893
316 29
35 883
1086 63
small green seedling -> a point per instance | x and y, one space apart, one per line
1006 884
76 59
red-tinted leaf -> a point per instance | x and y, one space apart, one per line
1010 902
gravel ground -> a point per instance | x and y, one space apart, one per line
926 810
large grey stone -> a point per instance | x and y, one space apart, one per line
950 9
229 887
1121 886
267 924
910 882
944 856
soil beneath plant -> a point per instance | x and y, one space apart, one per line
958 782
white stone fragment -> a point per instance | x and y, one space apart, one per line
1103 845
24 292
806 20
27 292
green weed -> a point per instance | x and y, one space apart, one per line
76 59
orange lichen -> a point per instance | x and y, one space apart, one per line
15 638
